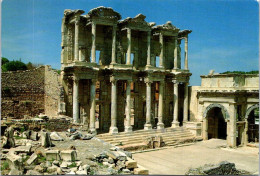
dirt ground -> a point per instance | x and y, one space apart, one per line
177 161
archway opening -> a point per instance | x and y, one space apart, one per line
217 127
253 126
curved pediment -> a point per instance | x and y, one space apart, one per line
167 26
137 21
104 12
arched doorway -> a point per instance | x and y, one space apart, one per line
217 127
215 122
252 117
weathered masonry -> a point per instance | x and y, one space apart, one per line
228 107
124 73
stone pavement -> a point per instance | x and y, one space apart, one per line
174 161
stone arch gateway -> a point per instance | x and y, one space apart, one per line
215 118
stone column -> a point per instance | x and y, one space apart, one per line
148 48
92 126
128 60
162 51
113 61
186 53
205 129
93 49
160 124
128 127
233 126
113 128
148 125
185 103
175 122
176 53
76 99
76 46
245 133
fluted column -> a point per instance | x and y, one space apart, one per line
93 49
113 128
175 122
113 61
128 60
128 127
92 126
76 46
185 102
76 99
186 53
160 124
148 125
176 53
162 51
148 48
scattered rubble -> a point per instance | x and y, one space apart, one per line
223 168
40 153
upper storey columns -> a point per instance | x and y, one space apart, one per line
186 53
176 53
113 60
76 46
162 50
93 48
148 48
128 60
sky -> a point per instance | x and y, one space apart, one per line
225 34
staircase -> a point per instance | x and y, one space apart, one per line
170 136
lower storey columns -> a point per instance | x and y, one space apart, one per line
175 122
232 141
75 99
113 128
185 104
148 125
92 106
160 124
128 127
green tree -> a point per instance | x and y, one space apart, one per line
4 60
30 66
13 66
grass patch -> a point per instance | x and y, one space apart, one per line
19 137
41 158
73 164
5 166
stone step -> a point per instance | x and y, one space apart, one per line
164 136
142 132
165 139
139 134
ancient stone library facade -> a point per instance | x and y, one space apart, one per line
121 57
124 75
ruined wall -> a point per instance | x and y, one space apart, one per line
30 92
53 91
23 93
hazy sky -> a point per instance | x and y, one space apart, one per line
225 33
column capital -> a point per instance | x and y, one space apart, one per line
75 78
148 81
175 81
94 80
129 81
113 80
77 20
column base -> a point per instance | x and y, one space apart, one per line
175 124
147 127
113 130
160 126
128 129
93 131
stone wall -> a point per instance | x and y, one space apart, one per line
53 91
30 92
23 93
